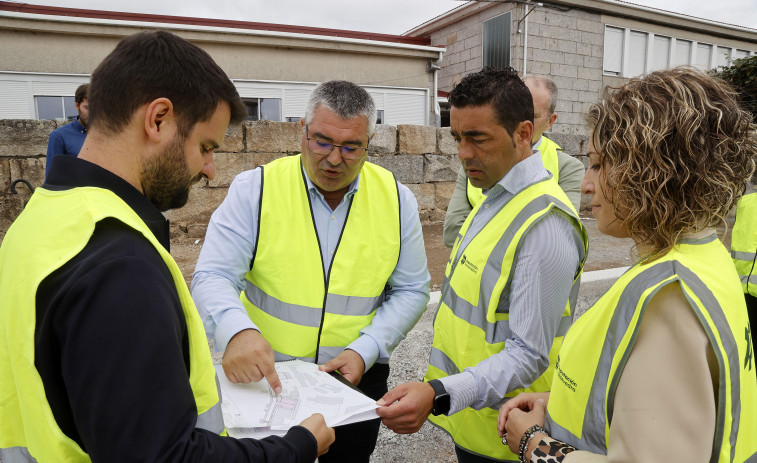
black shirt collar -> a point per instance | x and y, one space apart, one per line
71 172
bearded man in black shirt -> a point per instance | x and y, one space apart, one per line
103 356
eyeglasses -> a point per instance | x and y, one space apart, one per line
324 148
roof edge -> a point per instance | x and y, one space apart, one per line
207 22
609 7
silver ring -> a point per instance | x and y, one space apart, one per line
504 439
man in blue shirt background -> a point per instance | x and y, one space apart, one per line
69 138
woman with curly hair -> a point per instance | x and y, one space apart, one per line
661 367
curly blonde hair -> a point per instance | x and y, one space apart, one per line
677 151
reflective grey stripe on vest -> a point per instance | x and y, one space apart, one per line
440 360
476 315
212 419
593 438
325 353
730 347
704 240
752 459
498 331
311 316
745 256
748 279
16 455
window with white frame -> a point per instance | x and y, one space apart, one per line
660 52
613 54
637 53
723 57
260 109
629 53
682 55
703 56
496 42
55 107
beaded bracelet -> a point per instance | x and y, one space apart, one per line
526 439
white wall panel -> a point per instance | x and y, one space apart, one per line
14 100
405 108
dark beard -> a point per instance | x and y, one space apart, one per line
166 178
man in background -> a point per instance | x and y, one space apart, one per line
68 140
566 170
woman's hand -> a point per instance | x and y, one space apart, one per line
519 420
524 401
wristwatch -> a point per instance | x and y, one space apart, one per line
441 398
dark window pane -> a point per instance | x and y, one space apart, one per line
380 116
497 42
293 119
252 109
445 117
70 108
270 109
49 107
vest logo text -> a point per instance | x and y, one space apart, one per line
468 264
566 380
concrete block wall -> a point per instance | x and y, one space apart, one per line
463 40
566 46
423 158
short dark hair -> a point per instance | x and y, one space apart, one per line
81 93
503 89
158 64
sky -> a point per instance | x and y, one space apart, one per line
378 16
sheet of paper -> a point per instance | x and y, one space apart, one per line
253 410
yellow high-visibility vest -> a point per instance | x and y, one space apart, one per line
596 348
53 228
471 324
744 243
302 312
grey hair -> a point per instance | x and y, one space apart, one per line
345 99
547 83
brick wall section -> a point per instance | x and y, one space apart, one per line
423 158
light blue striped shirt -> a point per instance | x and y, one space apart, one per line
541 285
230 244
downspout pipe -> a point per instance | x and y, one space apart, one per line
435 66
525 34
525 42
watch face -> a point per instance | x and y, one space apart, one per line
441 404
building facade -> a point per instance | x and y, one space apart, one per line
583 45
46 52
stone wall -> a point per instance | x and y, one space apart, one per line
423 158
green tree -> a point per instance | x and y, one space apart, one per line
742 74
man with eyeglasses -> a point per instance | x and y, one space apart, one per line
327 252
